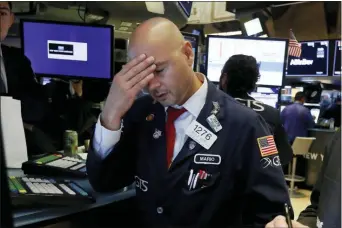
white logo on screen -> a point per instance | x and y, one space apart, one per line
301 62
79 52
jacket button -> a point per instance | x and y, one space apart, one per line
160 210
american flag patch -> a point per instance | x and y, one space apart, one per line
267 146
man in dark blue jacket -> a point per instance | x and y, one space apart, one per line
239 77
194 153
297 119
325 208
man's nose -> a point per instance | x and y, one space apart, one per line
153 84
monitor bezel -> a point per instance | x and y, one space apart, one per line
312 75
334 58
196 48
250 38
72 77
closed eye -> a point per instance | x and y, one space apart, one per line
159 70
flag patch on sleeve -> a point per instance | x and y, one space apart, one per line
267 146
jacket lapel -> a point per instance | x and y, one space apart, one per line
158 138
191 147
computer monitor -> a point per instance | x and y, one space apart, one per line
270 99
68 50
186 6
193 39
315 113
337 59
261 89
269 53
314 60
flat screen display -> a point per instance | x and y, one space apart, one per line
282 107
58 49
193 39
270 99
337 59
186 6
313 61
269 53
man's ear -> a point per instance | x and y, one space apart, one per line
223 81
187 49
12 18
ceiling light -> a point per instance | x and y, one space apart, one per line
233 33
123 28
126 24
155 7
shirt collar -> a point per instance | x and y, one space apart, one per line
196 102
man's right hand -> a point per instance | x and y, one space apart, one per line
280 222
132 78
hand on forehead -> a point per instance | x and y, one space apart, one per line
155 37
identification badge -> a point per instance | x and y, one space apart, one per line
201 134
214 123
207 159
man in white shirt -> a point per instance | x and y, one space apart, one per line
194 153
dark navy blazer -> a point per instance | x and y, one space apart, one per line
241 191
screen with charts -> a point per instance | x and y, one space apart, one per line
313 61
270 99
269 53
193 39
337 59
58 49
282 107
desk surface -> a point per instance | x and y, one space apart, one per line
23 217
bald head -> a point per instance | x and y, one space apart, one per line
160 40
153 34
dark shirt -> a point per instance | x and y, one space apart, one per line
325 199
297 119
334 111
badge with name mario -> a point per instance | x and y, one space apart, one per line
207 159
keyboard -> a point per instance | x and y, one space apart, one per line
56 165
36 190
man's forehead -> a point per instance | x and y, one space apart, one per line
159 54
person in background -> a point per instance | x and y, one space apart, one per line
18 81
192 150
17 77
297 119
239 77
334 112
325 208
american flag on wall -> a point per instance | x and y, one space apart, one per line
267 146
295 48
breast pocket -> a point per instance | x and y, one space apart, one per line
198 188
199 181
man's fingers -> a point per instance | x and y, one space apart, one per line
134 71
143 83
280 222
136 79
132 63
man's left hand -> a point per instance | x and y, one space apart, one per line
280 222
78 87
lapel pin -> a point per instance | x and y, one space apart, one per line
157 133
192 145
150 117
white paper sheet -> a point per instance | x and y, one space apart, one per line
13 134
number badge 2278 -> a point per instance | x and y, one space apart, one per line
201 134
